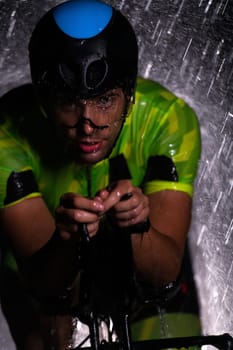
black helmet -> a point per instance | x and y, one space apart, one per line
82 48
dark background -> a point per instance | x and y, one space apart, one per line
187 46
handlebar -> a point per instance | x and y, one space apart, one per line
221 342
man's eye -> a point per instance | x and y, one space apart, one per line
106 101
62 102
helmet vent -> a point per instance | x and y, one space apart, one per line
92 75
95 74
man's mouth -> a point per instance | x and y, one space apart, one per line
90 147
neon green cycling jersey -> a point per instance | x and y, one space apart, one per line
159 124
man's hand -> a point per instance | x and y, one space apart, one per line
126 203
75 210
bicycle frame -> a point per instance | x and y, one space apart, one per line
122 324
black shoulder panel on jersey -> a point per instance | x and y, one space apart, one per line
161 168
118 168
19 185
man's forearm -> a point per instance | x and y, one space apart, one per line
157 258
53 268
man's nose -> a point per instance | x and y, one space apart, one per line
87 128
87 112
81 120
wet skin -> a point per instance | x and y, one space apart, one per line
90 127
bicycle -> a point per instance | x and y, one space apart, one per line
117 319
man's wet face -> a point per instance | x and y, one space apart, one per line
90 127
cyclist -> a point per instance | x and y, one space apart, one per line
87 147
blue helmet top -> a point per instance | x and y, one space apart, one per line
83 48
82 19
